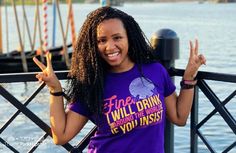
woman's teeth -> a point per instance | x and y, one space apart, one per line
113 54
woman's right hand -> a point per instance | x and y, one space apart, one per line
47 75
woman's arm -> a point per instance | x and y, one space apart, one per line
179 107
64 125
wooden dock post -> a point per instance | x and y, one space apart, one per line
23 58
65 51
1 27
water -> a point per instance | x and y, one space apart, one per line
212 24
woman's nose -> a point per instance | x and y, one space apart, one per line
110 45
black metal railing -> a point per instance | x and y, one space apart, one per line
219 107
22 108
195 125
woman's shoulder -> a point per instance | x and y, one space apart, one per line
154 68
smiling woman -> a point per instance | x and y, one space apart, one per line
116 82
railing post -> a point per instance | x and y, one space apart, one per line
194 122
166 45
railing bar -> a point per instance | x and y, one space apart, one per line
217 104
214 111
35 93
9 121
8 145
17 77
27 77
84 142
38 143
206 119
205 142
29 114
18 111
229 97
206 75
230 147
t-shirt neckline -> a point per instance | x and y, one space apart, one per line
130 71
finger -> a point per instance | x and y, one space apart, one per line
49 62
196 47
42 77
202 59
191 48
40 65
39 76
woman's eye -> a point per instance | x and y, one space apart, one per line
100 41
117 37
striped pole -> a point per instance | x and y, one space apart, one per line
45 26
54 24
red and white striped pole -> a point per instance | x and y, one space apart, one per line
45 26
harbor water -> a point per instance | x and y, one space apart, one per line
212 24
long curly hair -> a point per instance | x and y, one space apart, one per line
88 69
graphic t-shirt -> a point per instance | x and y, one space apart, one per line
133 118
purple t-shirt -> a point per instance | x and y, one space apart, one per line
134 111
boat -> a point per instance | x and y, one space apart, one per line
12 62
19 61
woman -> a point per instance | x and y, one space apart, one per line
117 84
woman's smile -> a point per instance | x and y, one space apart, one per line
113 56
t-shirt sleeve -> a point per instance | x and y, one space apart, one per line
169 86
78 108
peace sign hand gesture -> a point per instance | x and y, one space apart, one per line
194 62
47 75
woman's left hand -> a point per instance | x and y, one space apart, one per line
194 62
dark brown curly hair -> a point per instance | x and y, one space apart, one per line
88 68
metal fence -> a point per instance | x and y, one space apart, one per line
195 125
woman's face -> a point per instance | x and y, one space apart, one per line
113 45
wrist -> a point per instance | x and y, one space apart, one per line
189 78
56 89
188 84
60 93
188 75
